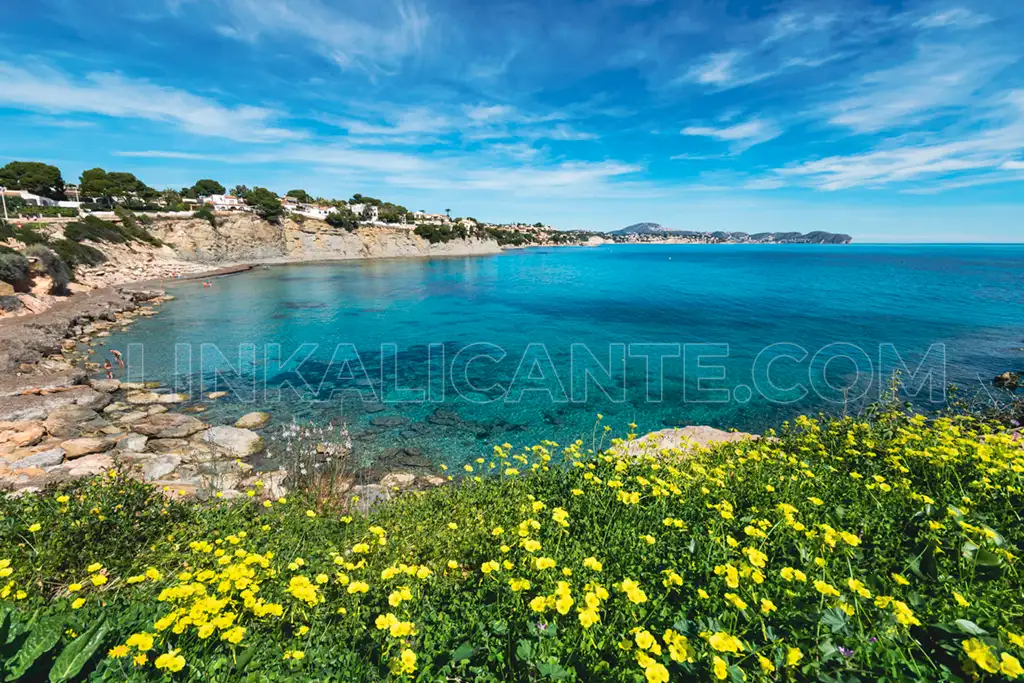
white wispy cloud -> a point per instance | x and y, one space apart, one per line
956 17
397 31
717 69
742 135
42 89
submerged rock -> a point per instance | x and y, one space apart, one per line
252 420
390 421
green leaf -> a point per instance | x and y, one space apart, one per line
524 650
79 652
834 619
40 640
464 651
987 558
244 658
553 670
970 628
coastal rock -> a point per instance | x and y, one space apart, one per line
398 480
76 448
135 443
238 442
50 458
1007 380
38 406
168 426
253 420
214 395
86 466
685 439
107 386
39 383
175 397
70 421
176 446
368 496
142 397
20 434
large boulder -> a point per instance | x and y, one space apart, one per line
34 384
107 386
69 421
168 426
14 435
50 458
238 442
76 448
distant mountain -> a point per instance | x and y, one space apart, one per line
815 237
644 229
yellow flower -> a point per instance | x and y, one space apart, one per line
793 656
539 604
518 585
592 564
655 672
310 514
960 600
407 662
62 499
767 606
171 661
94 567
766 665
77 603
140 641
294 654
898 578
118 652
140 660
74 587
588 617
826 589
721 670
1010 666
723 642
981 654
489 566
233 635
34 528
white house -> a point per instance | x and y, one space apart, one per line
358 209
226 202
313 211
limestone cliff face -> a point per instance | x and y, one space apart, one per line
244 237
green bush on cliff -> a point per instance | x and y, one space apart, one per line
75 254
441 233
54 265
13 267
837 550
96 229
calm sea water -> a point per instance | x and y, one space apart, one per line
452 356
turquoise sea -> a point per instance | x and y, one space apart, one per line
451 356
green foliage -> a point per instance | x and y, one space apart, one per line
119 185
27 234
440 233
514 238
75 254
54 265
301 195
239 191
207 187
205 212
802 554
13 267
343 218
265 203
33 176
98 230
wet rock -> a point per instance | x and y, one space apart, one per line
404 460
686 439
390 421
373 407
50 458
252 420
195 410
117 406
446 418
238 442
107 386
168 426
1007 380
76 448
133 442
141 397
153 410
133 417
430 481
214 395
176 397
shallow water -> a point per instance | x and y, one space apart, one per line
559 314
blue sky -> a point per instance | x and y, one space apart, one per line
899 121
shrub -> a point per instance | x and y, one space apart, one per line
837 550
98 230
343 218
206 213
55 267
75 254
440 232
13 267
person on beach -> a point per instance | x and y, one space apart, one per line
117 356
109 368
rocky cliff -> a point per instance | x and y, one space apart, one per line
244 237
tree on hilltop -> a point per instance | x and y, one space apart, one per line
116 184
301 195
343 218
265 203
207 187
239 191
33 176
